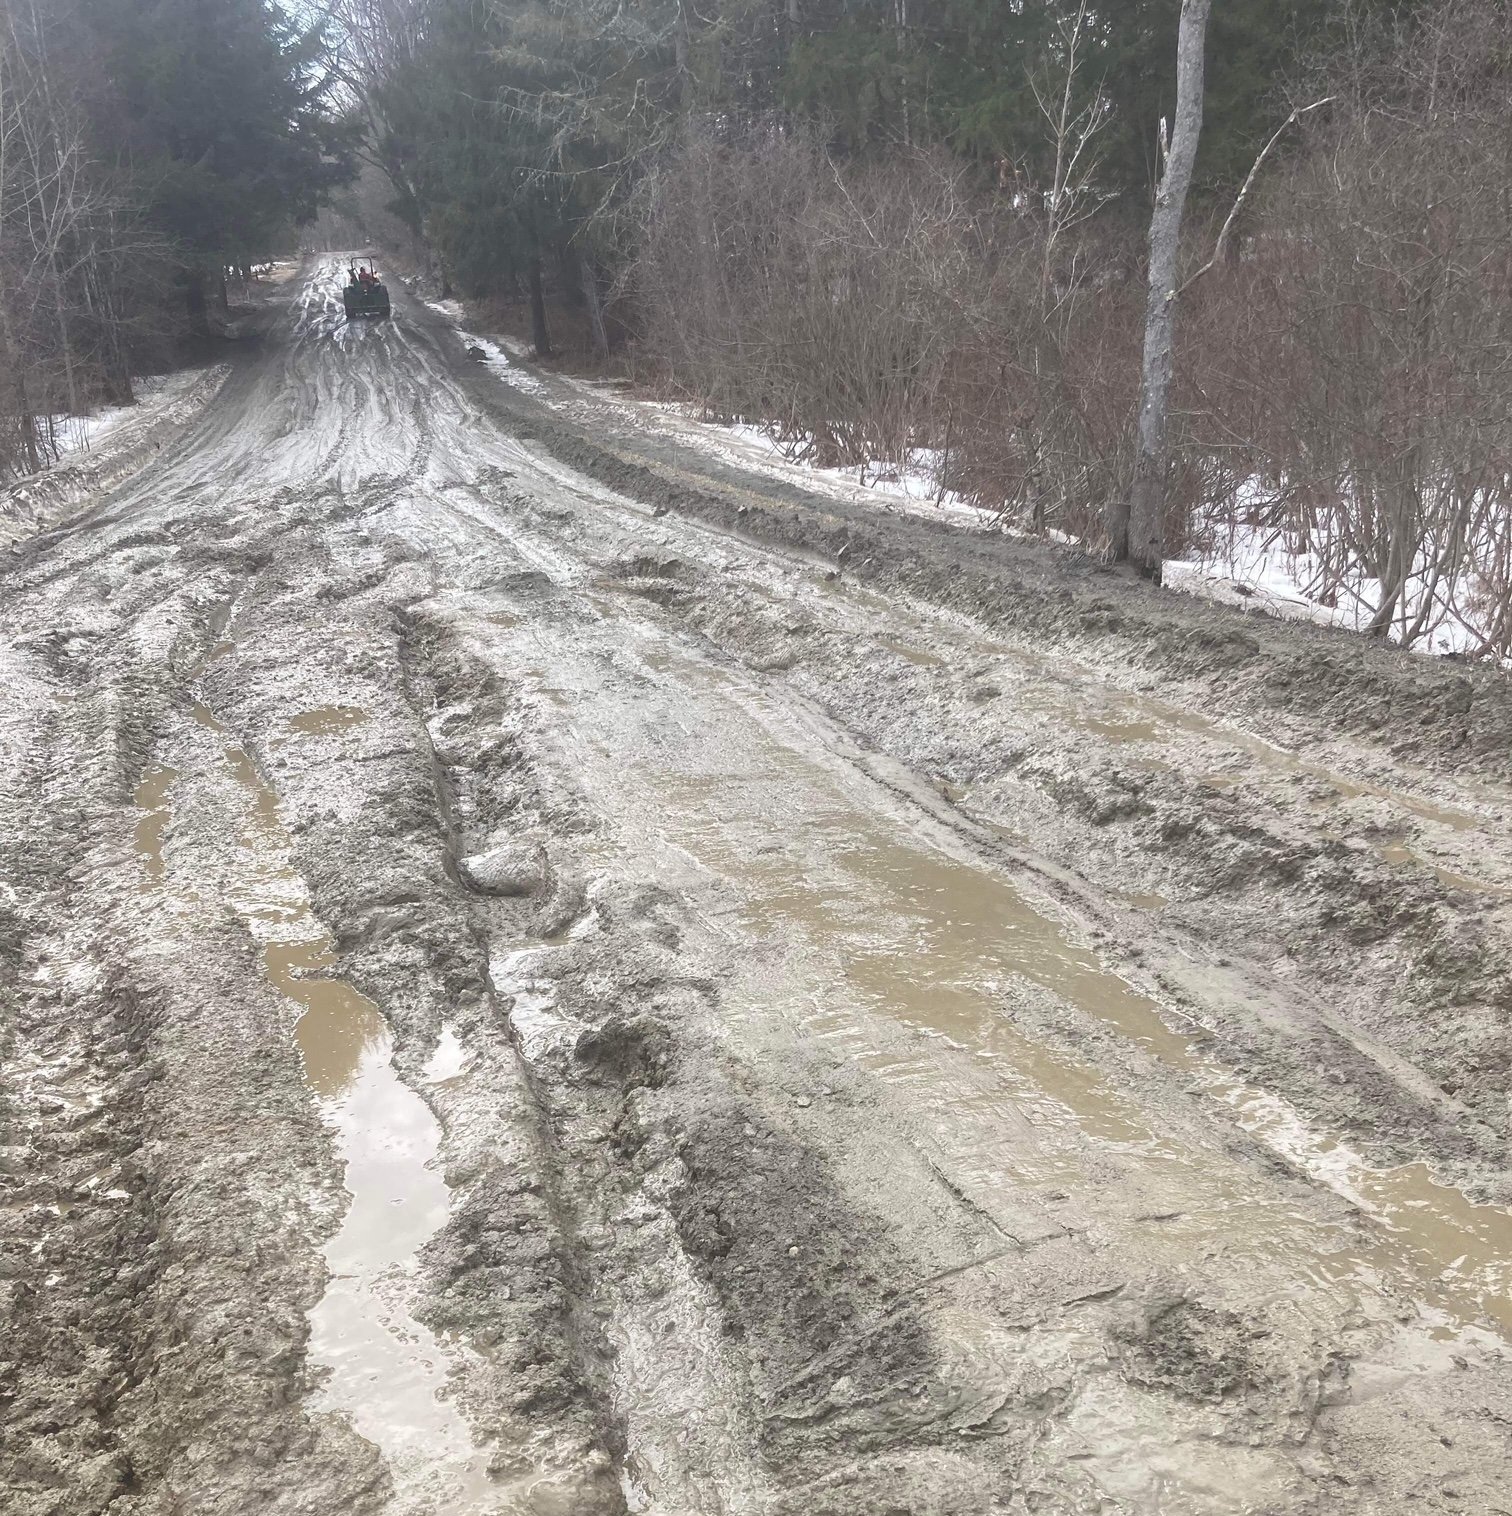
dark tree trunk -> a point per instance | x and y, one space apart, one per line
539 334
594 297
682 54
196 303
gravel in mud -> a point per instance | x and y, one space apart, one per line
548 973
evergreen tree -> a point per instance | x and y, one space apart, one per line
522 120
221 109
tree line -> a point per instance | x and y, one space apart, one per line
146 148
510 130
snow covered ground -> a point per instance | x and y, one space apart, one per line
1261 567
95 452
495 355
79 434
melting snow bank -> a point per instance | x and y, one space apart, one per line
913 486
77 434
96 452
1259 568
501 360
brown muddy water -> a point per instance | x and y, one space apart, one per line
968 936
327 719
381 1368
911 654
927 936
152 798
1397 853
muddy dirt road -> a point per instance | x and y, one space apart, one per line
548 973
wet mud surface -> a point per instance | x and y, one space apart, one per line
544 974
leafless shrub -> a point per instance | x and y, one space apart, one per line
866 315
70 253
1042 391
774 286
1350 378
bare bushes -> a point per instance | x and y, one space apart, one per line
1354 370
874 315
1042 391
71 256
773 287
1343 393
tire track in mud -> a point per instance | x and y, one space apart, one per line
1402 946
684 588
1473 1216
615 1071
314 689
159 1338
1449 718
551 663
383 1368
1455 1243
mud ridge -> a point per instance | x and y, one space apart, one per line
1437 712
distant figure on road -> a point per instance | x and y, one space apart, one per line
365 293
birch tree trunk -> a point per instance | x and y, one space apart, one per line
1136 525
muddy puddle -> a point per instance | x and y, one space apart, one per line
968 937
328 719
1397 853
1121 731
382 1369
911 654
340 1032
153 797
923 934
1459 1254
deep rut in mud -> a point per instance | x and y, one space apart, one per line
382 1369
521 1002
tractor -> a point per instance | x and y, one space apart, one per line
365 294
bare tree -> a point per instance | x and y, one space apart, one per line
67 244
1355 367
1072 126
377 37
1136 523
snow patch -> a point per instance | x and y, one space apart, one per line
1248 567
503 364
503 357
96 452
1264 568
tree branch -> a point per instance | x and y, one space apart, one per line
1243 195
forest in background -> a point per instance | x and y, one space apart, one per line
895 233
148 149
